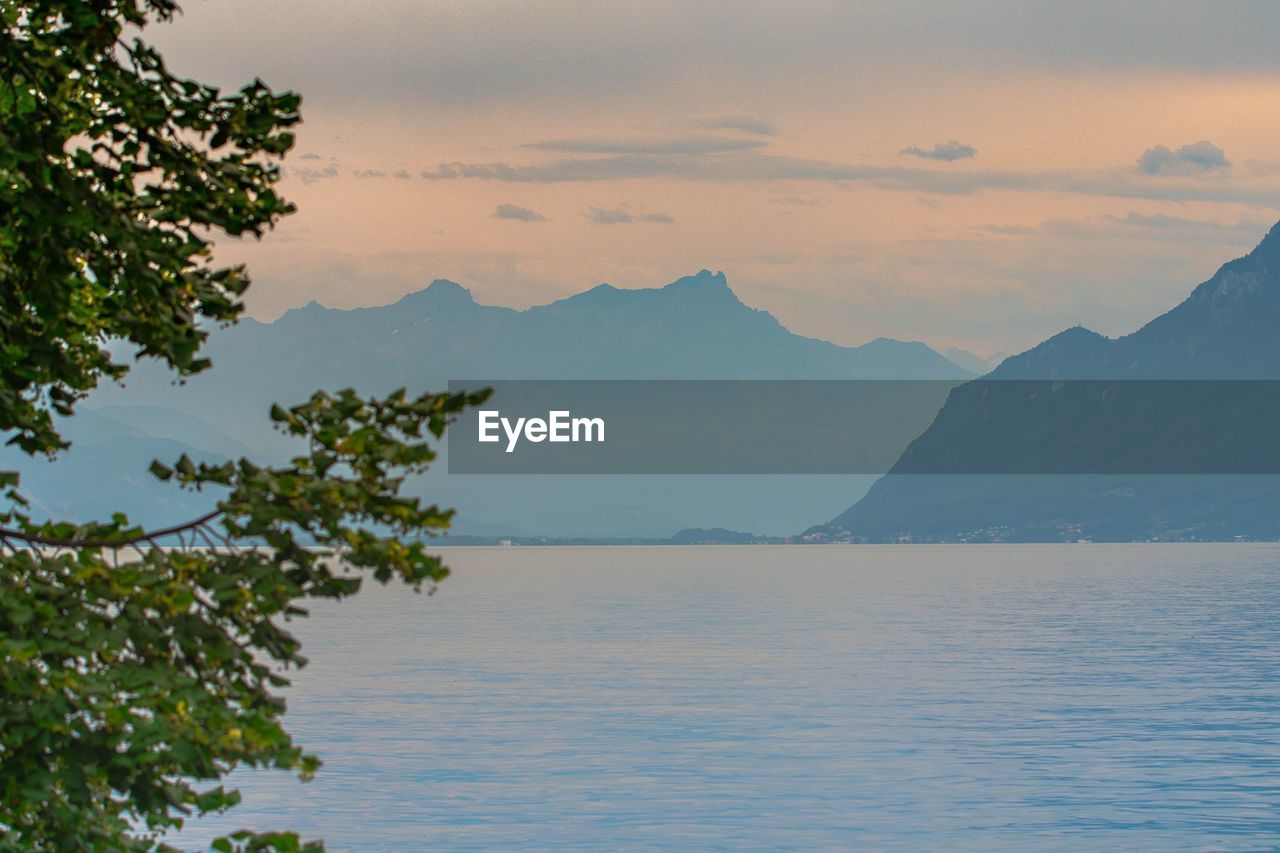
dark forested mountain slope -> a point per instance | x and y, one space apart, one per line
1225 330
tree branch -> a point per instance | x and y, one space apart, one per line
35 539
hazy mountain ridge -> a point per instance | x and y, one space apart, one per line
972 362
695 327
105 470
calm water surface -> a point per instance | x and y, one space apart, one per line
900 697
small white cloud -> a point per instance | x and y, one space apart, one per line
310 176
1194 159
619 216
948 151
602 216
517 213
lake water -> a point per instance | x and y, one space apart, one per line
901 697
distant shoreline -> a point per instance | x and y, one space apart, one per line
654 542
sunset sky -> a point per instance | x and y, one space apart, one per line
978 175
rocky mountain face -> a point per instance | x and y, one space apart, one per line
1226 329
1035 460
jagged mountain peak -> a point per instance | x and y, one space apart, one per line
701 279
441 290
312 307
440 293
1076 352
702 288
1070 343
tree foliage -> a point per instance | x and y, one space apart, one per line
134 677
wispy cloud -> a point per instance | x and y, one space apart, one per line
595 169
620 216
309 175
800 201
369 173
741 122
608 216
1008 230
1147 227
948 151
756 166
660 146
517 213
1194 159
1157 220
1243 231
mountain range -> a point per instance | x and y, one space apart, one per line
693 328
697 328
